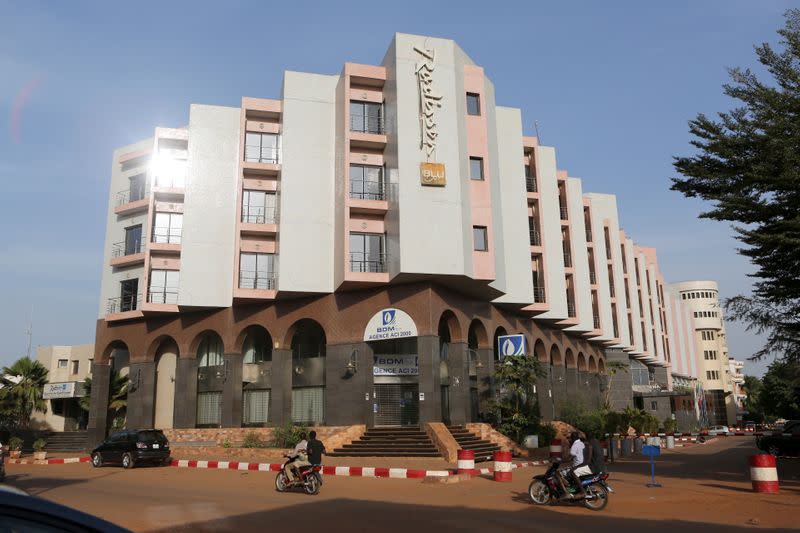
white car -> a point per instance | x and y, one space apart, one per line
718 430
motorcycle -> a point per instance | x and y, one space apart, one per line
307 478
546 487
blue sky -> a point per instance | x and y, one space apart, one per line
610 84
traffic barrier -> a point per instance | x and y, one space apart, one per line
466 462
763 473
502 466
555 449
670 442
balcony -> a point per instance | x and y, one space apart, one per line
564 212
588 234
127 253
535 237
592 277
257 215
368 190
611 289
262 154
164 235
596 321
538 295
258 280
122 304
365 262
131 201
567 260
530 184
367 131
571 312
162 296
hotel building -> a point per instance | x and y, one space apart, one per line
351 252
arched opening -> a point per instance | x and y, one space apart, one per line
499 332
540 351
476 338
601 366
569 359
555 356
256 376
447 330
166 359
210 355
592 365
119 358
581 362
308 372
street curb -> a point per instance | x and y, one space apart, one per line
60 461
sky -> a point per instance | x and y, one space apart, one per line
610 84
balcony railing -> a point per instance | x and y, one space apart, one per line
367 262
608 252
121 249
259 215
564 212
121 304
366 124
263 280
174 180
261 154
162 296
129 195
536 238
368 189
567 259
163 235
571 313
530 184
592 277
538 295
611 289
596 321
588 234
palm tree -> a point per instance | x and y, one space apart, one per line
23 385
117 396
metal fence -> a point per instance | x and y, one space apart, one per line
367 262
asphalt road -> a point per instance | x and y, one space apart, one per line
705 487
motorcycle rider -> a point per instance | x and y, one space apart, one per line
597 462
297 458
579 467
315 449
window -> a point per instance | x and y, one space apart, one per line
257 347
476 168
257 271
712 374
256 407
366 117
210 351
75 366
261 148
367 252
136 190
259 207
480 238
473 104
209 408
654 405
163 287
307 404
133 240
129 298
62 363
366 182
167 228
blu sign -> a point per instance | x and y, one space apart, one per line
389 324
511 345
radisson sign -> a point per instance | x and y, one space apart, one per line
430 173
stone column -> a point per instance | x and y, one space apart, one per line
430 409
345 389
98 410
185 393
232 391
141 395
485 383
282 386
458 366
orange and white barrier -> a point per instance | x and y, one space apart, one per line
466 462
555 449
763 473
502 466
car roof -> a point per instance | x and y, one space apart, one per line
39 511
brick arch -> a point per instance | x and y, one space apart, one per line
105 355
592 365
238 343
478 331
601 366
452 324
157 343
581 362
555 355
304 324
540 351
195 344
500 330
569 358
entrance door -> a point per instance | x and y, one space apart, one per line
396 404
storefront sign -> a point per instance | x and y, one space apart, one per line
395 365
53 391
432 174
429 101
511 345
390 324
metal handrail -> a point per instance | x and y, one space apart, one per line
368 262
253 279
368 190
567 259
539 295
596 321
611 289
367 124
564 212
592 277
121 249
259 215
571 313
162 296
261 154
535 237
164 235
127 196
530 184
120 304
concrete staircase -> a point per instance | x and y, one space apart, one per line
466 440
389 442
66 441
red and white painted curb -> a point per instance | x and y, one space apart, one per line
61 461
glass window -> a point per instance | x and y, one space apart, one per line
256 407
366 182
75 366
259 207
366 117
210 351
128 294
257 271
480 239
163 286
307 405
476 168
367 252
167 228
133 240
137 184
62 363
209 408
261 147
257 347
473 104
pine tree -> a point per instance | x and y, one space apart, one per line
747 164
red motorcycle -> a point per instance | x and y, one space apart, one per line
307 478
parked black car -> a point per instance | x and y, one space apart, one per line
132 447
784 441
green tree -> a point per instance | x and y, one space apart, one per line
780 395
746 163
117 397
22 388
515 404
752 387
612 369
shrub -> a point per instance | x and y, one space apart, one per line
39 445
670 425
15 444
287 436
251 440
546 434
227 443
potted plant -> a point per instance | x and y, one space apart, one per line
38 449
15 445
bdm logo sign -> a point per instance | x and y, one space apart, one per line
390 324
511 345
